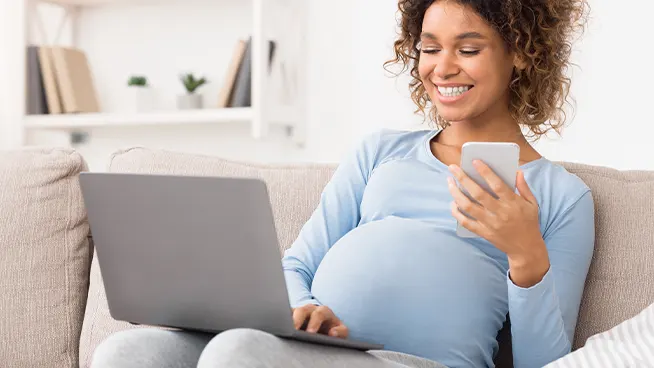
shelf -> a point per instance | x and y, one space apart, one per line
90 3
71 122
278 89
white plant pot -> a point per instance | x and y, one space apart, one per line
189 101
141 99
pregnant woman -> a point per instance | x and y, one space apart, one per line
379 260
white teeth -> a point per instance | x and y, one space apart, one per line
453 91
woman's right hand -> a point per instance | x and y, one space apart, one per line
319 319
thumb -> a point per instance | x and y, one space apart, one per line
339 331
523 188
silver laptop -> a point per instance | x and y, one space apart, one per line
193 253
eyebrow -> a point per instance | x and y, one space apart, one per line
462 36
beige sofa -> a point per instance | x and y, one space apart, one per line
53 311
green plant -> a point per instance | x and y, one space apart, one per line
191 83
138 81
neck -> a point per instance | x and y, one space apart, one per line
461 132
493 126
497 128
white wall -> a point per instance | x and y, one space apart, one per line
382 99
350 93
614 124
10 104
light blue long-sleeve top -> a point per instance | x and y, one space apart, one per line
381 251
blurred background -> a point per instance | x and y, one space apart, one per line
273 80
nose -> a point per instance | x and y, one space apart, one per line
446 66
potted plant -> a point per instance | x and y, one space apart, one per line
141 96
191 100
138 81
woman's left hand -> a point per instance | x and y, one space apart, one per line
509 222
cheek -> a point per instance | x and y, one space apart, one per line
486 77
480 69
424 70
493 72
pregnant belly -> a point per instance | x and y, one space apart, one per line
415 288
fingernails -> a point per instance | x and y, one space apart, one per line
333 333
450 181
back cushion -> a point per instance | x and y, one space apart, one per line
294 191
44 258
620 282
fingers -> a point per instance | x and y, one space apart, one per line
470 224
495 183
339 331
464 203
477 193
318 317
301 314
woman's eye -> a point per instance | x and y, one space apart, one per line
429 51
469 52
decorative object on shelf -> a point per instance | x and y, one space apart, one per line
190 100
141 99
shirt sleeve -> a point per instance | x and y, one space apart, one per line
544 316
337 213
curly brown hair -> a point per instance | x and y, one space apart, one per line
539 31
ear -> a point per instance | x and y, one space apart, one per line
519 62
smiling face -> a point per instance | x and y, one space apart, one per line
464 66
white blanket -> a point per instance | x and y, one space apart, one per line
629 344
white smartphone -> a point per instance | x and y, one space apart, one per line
502 157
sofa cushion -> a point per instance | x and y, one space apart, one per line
44 257
621 276
294 191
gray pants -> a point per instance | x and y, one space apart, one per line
239 348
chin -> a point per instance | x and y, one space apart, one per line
455 118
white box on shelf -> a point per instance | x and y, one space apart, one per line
139 99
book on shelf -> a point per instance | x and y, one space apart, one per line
226 93
74 80
59 81
242 92
237 86
37 103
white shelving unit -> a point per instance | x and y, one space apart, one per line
278 20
